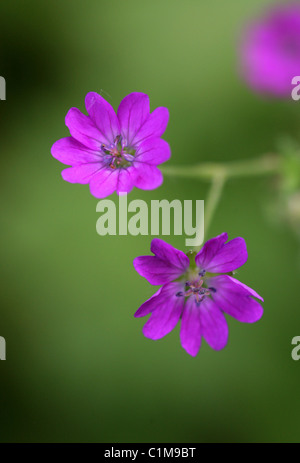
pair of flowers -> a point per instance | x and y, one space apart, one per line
115 152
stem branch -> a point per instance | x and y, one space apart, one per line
219 173
213 198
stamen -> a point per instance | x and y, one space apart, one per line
107 158
117 154
213 290
105 150
128 157
202 273
179 294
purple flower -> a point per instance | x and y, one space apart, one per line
270 51
197 289
114 152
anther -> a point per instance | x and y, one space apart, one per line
128 157
213 290
179 294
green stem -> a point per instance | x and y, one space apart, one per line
268 164
218 173
213 199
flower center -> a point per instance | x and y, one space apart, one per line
196 288
118 155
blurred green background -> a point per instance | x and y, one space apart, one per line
78 367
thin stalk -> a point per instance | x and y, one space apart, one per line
213 199
265 165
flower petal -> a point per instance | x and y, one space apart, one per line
218 257
167 264
250 291
209 250
235 299
81 174
83 129
126 180
149 306
103 115
166 314
70 152
190 331
166 252
154 126
214 326
133 111
153 151
104 183
148 177
156 271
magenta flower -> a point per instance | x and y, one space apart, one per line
114 152
270 51
197 290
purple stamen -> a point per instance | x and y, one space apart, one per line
179 294
128 157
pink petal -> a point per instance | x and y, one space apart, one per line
148 177
126 180
190 332
154 126
218 257
166 314
235 299
103 115
168 253
70 152
167 264
104 183
149 306
214 326
83 129
156 271
209 250
133 111
153 151
250 291
81 174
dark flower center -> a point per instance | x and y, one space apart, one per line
118 155
197 288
